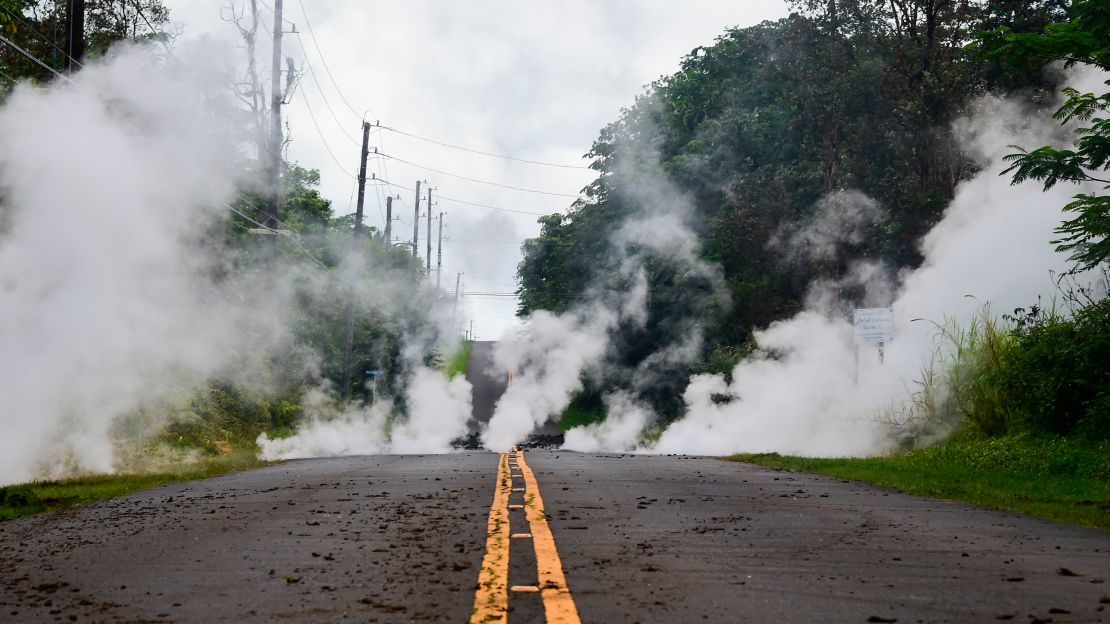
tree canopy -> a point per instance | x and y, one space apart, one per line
757 128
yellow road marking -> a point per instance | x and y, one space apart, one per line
491 602
558 605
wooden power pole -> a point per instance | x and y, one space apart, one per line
362 178
428 269
439 253
75 34
416 221
349 343
455 315
274 169
388 220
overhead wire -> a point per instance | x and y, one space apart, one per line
477 181
312 74
48 40
477 151
327 69
323 140
320 263
35 59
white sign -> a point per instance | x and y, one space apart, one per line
874 324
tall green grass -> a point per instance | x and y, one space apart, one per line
1035 372
39 496
458 362
1052 477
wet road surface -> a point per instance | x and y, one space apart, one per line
639 538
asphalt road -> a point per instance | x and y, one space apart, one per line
641 539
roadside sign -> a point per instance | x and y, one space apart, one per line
874 324
375 373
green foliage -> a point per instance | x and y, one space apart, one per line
584 409
753 131
18 496
31 498
457 364
1054 477
38 26
1052 377
224 417
1085 38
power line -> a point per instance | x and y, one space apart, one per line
479 205
458 201
35 59
312 73
327 147
48 40
324 61
278 232
476 151
460 177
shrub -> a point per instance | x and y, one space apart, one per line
1053 377
18 496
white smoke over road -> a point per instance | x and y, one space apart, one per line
992 245
799 393
438 410
552 353
104 181
116 294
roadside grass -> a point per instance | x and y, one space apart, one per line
1051 477
38 496
577 415
457 363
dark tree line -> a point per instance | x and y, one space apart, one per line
757 128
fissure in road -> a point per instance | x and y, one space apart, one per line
491 601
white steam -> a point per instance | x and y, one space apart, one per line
438 410
103 182
116 297
805 391
992 244
552 353
840 218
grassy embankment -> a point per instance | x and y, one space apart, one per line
213 434
1049 477
1030 401
39 496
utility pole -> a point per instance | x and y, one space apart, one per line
349 343
75 34
416 221
439 253
428 269
455 315
388 220
362 178
274 172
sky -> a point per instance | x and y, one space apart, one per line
534 79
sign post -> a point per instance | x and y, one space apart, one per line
873 325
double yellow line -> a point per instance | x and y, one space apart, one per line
491 602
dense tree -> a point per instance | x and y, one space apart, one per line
38 26
1085 38
755 129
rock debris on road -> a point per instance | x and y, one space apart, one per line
641 539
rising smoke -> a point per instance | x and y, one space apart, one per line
118 297
807 390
